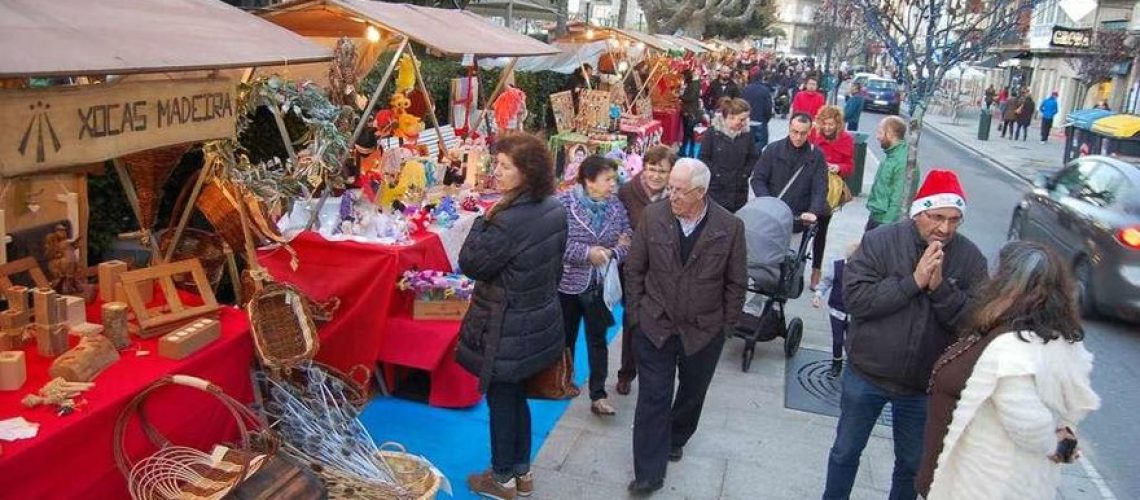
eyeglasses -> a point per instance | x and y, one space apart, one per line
672 192
942 219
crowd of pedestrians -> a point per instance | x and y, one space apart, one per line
917 320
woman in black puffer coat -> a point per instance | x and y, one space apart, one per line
513 328
729 152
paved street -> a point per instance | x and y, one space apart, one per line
750 446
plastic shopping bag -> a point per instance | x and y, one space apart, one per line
611 292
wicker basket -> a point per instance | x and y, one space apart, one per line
412 472
218 202
283 331
207 247
149 170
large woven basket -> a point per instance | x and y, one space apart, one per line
412 472
283 330
149 170
218 202
207 247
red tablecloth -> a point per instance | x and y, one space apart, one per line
430 345
671 123
364 277
644 135
72 456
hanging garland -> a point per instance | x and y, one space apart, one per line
327 131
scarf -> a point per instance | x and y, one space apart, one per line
595 209
719 124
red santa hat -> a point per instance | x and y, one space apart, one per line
941 189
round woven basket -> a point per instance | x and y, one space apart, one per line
412 472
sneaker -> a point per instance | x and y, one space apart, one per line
836 368
485 485
524 484
602 407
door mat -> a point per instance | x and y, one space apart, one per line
808 387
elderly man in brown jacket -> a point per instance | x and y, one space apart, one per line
685 280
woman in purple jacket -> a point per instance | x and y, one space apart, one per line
597 231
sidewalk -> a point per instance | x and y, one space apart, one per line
1023 158
748 444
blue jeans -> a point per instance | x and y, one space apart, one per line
860 406
760 136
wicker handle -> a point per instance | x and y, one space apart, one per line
242 415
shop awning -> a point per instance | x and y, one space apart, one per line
444 30
647 39
683 43
1118 126
120 37
520 9
1084 118
566 62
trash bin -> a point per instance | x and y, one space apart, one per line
984 125
855 180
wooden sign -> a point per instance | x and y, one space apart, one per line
64 126
594 110
562 105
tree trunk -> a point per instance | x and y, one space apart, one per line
695 26
563 10
623 11
911 173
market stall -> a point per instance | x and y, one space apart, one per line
114 94
374 323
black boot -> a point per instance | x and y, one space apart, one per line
836 368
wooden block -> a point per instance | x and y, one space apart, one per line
188 339
86 360
447 309
108 276
115 325
75 313
11 340
86 329
17 297
46 309
13 370
13 319
51 341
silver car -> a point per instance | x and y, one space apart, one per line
1089 212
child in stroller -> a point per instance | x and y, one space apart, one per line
776 272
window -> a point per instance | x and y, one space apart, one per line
1071 181
1104 185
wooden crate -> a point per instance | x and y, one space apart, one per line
447 309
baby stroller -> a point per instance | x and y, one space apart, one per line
776 275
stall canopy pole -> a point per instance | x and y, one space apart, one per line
430 103
376 95
133 198
503 77
648 79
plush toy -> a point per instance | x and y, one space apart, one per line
446 213
419 220
412 176
406 76
510 108
470 204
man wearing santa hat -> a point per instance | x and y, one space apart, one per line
907 289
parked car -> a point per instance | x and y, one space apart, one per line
1089 212
882 95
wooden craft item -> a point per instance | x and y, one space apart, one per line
562 105
86 360
13 370
11 340
46 306
155 323
17 297
446 309
115 326
189 339
51 341
109 273
594 110
59 393
24 265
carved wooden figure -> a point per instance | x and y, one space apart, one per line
115 326
83 362
13 370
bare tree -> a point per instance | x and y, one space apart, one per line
694 16
926 38
1095 66
623 10
839 24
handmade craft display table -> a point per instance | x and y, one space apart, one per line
367 327
671 125
644 135
72 456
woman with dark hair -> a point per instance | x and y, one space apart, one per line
691 113
1005 399
730 153
513 328
597 231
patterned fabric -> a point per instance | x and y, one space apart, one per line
577 272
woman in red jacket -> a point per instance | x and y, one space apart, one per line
838 148
809 100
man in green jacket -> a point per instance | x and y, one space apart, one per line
883 203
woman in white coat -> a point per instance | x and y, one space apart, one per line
1003 398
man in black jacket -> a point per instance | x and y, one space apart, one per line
759 96
722 87
777 169
908 289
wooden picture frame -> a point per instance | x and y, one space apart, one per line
594 110
25 265
153 323
562 105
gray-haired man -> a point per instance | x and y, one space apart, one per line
685 281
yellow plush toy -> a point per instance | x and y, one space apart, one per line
413 173
406 77
408 126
